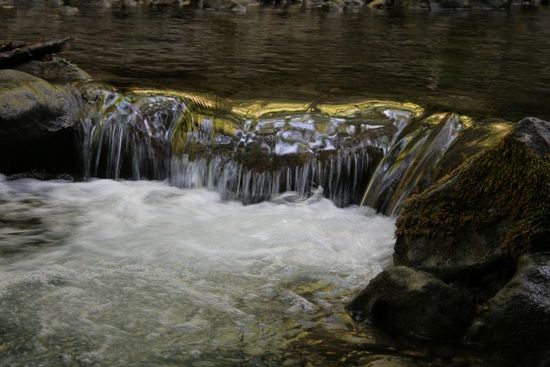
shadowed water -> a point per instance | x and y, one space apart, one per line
144 274
478 63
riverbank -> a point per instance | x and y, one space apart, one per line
71 7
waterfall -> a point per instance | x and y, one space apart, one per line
253 151
424 151
120 137
342 176
247 152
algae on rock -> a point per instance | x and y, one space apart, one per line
492 207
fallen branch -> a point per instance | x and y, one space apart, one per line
11 46
12 55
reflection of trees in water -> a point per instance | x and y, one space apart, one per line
478 62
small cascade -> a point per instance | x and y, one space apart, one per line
254 151
121 137
424 151
341 175
247 152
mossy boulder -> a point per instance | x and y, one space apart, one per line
517 319
35 123
410 302
58 71
493 208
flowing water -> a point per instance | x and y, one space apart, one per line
177 271
478 63
142 273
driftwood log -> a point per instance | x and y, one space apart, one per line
14 54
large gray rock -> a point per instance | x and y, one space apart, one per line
486 213
411 302
534 134
517 319
390 361
35 121
57 71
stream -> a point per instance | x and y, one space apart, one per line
145 274
217 218
475 62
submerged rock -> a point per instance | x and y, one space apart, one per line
69 10
492 208
441 5
57 71
517 319
35 123
390 361
412 302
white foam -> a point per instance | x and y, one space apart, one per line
180 266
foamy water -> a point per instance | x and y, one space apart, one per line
142 273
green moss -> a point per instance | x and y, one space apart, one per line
506 188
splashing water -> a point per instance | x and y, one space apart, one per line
247 152
145 274
422 152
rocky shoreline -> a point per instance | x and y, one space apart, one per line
71 7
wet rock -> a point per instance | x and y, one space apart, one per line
517 319
35 118
129 3
158 3
334 6
486 213
491 4
415 303
69 10
354 3
40 175
534 134
235 6
390 361
25 2
57 71
24 98
414 4
55 3
449 4
380 4
441 5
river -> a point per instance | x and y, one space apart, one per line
169 273
144 274
478 63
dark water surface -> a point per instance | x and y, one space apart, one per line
482 63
